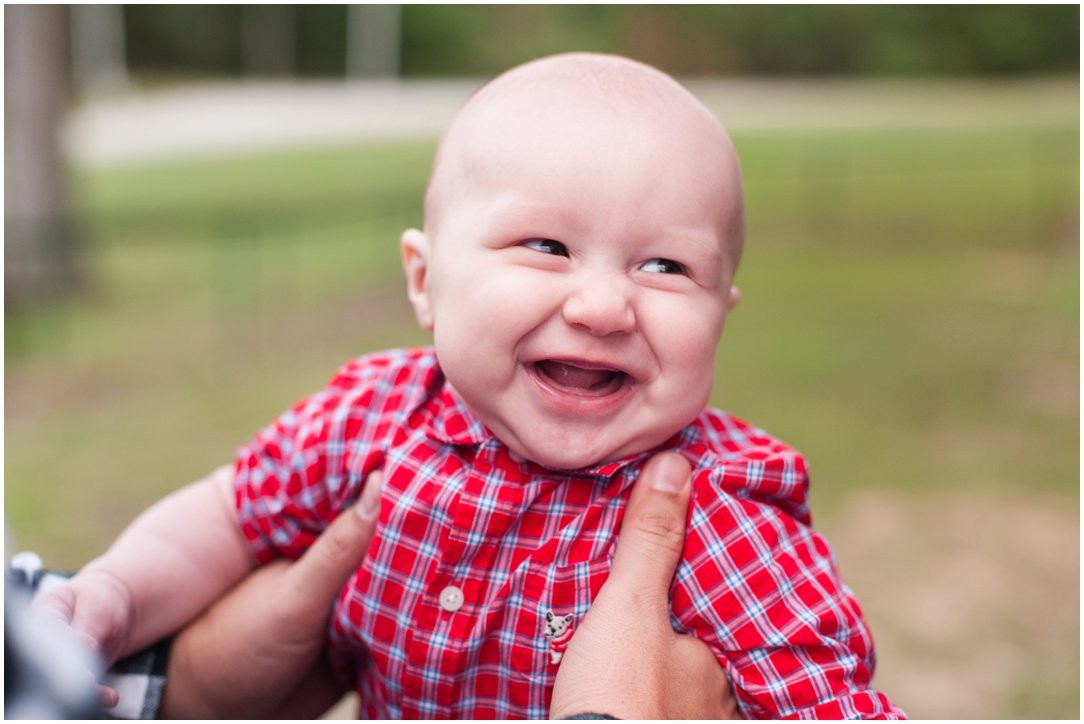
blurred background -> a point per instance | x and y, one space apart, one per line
202 208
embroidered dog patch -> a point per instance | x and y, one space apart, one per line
559 632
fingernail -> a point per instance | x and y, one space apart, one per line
671 474
108 697
368 506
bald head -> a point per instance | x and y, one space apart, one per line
583 225
585 101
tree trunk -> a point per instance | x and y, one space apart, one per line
38 250
372 41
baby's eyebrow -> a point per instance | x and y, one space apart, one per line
518 213
706 249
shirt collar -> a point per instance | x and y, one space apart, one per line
447 419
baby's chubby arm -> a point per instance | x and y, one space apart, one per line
177 557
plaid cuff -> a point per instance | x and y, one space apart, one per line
139 679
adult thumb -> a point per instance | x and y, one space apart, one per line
321 572
653 530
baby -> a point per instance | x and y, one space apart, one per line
583 224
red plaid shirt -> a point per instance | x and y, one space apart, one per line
447 616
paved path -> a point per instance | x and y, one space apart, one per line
212 119
239 117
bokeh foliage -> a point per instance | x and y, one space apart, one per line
713 39
722 39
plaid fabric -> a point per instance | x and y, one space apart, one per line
507 541
140 681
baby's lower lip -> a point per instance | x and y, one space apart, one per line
574 391
572 378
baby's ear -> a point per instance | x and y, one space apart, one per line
414 248
733 298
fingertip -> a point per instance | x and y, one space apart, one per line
368 506
667 472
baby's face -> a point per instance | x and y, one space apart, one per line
578 280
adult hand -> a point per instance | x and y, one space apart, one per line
624 659
231 663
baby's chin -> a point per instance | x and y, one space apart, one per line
568 456
556 460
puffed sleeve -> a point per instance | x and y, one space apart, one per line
762 588
296 474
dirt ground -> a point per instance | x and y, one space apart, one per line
973 597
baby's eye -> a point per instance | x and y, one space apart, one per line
547 246
663 266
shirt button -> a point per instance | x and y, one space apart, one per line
451 599
516 457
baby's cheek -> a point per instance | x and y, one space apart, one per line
688 343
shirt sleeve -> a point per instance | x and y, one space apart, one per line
296 474
763 590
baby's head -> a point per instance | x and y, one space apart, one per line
583 223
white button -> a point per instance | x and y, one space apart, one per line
451 599
516 457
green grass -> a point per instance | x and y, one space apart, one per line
910 318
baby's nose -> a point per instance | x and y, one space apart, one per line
601 306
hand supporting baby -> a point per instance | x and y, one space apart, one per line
230 663
625 660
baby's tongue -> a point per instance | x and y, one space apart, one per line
575 377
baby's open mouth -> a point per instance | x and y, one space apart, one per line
580 379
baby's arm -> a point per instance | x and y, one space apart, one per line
168 565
